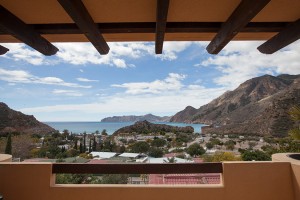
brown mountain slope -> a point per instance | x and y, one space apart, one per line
184 115
14 121
257 106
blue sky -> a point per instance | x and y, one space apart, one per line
78 84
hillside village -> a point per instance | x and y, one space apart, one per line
151 147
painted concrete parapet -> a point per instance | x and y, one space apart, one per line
241 180
286 157
5 158
295 166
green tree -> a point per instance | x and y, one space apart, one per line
108 145
80 148
170 160
251 144
221 156
8 148
255 155
90 146
230 144
122 149
195 150
70 178
209 145
104 132
140 147
75 143
72 153
65 133
22 145
114 179
295 115
84 141
94 144
155 152
215 141
158 142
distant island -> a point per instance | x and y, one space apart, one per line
146 127
134 118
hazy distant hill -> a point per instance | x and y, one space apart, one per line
14 121
133 118
257 106
147 127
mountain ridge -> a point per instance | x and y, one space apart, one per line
252 102
15 121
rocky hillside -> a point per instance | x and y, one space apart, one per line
257 106
147 127
14 121
133 118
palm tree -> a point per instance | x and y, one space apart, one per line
170 160
295 115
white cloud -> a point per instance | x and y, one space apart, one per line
121 53
86 80
171 49
240 61
120 63
19 52
167 103
72 93
162 97
19 76
171 83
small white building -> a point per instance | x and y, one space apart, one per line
102 155
129 155
135 156
210 151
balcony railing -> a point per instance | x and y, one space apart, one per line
240 180
170 168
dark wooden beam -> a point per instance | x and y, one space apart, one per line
161 21
169 168
240 17
149 27
17 28
3 50
287 36
78 12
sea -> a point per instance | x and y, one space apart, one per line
111 127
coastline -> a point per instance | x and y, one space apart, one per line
111 127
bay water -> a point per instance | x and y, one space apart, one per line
111 127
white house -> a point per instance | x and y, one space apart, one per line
102 155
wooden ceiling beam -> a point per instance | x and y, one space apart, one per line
80 15
240 17
12 25
149 27
3 50
285 37
161 21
